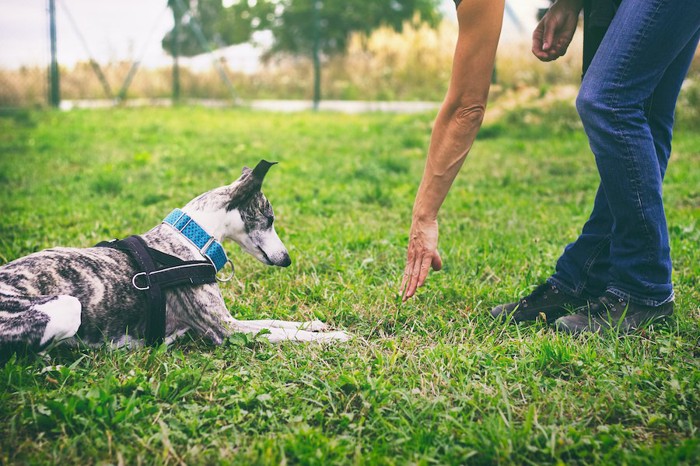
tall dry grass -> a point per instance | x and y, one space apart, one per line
24 87
413 64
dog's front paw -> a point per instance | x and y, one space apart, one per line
314 326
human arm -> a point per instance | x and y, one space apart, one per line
454 131
554 32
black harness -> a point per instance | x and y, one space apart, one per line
158 272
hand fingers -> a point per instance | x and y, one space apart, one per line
406 275
552 54
436 261
537 40
549 28
402 288
563 45
416 272
424 269
538 47
406 292
413 278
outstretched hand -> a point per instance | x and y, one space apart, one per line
422 255
554 32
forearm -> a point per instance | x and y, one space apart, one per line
460 116
454 132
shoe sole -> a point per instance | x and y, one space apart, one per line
600 327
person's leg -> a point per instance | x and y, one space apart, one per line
627 103
584 267
644 40
660 109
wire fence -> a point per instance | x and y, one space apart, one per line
74 50
109 53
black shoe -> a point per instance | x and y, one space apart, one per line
547 299
613 312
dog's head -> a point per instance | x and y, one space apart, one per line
242 213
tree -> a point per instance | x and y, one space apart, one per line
299 27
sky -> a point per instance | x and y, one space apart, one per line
132 29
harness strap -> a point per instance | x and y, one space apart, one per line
155 320
153 279
178 272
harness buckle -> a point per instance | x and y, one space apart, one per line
226 279
145 277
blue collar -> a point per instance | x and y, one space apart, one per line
207 245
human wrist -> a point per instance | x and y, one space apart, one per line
421 217
571 5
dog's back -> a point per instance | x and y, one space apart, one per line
43 295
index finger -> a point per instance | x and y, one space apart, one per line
418 271
407 290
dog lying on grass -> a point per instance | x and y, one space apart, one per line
103 294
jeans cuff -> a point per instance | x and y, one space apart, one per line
641 301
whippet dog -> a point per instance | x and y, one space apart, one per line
99 295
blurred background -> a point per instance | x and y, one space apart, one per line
306 53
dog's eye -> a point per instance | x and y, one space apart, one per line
270 220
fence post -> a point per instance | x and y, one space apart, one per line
316 58
54 85
176 52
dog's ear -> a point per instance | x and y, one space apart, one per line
258 172
261 169
249 184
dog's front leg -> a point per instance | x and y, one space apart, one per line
311 325
279 330
206 313
203 311
277 335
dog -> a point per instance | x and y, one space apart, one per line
100 295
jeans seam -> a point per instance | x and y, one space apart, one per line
579 288
635 180
591 260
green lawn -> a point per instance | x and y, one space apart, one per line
431 381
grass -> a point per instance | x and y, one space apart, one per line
435 380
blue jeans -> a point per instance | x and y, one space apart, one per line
626 103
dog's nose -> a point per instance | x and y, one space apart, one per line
285 262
